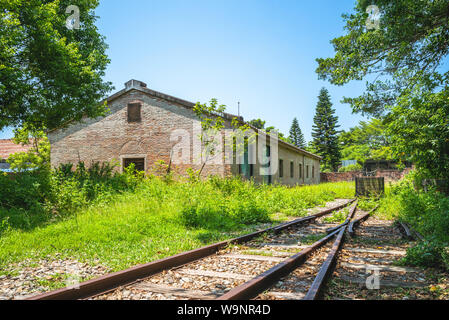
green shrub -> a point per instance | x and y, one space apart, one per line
4 225
427 254
205 215
367 203
338 217
122 219
25 190
445 257
219 203
427 213
32 199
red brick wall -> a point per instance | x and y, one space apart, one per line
389 175
339 176
392 175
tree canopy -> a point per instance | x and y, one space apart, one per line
403 60
260 124
366 141
49 73
257 123
37 156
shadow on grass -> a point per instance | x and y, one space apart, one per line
210 237
22 198
24 220
212 234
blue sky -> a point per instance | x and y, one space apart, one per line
259 52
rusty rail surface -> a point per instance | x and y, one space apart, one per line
328 265
418 236
406 229
410 232
350 215
255 286
326 269
359 220
114 280
312 217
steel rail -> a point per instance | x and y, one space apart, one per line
114 280
418 236
350 215
326 268
406 229
313 216
328 265
253 287
410 232
265 280
355 222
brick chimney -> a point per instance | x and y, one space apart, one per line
135 84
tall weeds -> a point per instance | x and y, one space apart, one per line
428 213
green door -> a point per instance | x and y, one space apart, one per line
246 168
267 178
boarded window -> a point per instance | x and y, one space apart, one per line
300 171
139 163
292 169
313 171
281 168
307 172
134 112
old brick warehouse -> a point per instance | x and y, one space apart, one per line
139 129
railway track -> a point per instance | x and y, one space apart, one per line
211 271
367 267
291 261
296 279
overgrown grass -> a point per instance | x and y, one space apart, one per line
312 238
338 217
124 220
427 213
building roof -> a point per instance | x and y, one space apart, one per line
8 147
142 87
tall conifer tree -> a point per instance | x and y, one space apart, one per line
296 136
324 132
